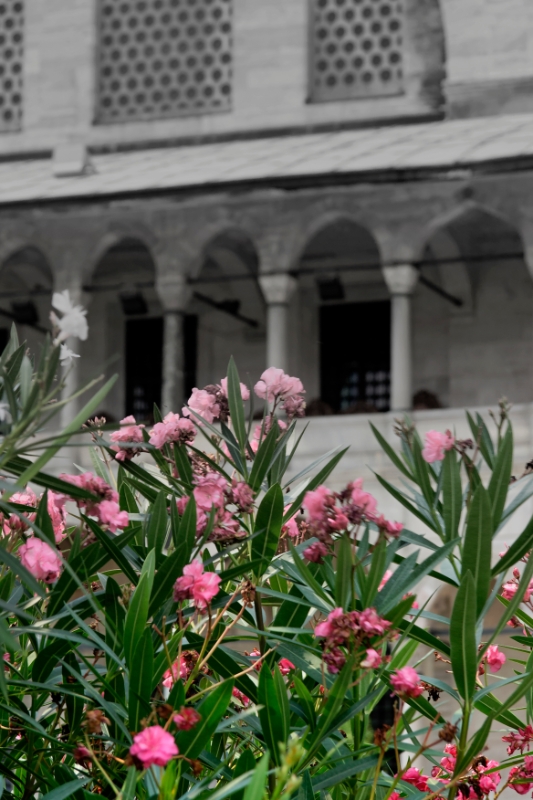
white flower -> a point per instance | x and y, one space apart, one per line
5 413
73 322
66 355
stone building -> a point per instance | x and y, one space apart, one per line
342 188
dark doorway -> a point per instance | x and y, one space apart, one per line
144 366
190 355
355 356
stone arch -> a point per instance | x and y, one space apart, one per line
26 285
112 237
331 220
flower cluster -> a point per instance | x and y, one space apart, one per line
345 628
186 718
519 740
482 777
276 387
130 434
521 778
197 585
181 668
493 658
211 493
331 512
40 559
405 682
18 523
510 588
211 402
436 445
106 509
172 430
154 746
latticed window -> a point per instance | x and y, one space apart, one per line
356 48
11 63
163 58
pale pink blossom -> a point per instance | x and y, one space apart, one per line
201 516
204 404
290 528
270 385
242 496
197 585
372 659
58 515
108 513
285 666
318 502
371 623
436 444
406 681
40 559
245 392
93 484
178 670
187 718
128 433
325 629
15 522
509 590
154 746
173 429
210 491
388 574
362 500
495 658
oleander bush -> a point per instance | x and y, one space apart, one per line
191 618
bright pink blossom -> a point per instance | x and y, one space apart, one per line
128 433
245 392
204 404
406 681
285 666
436 444
109 513
415 778
315 552
197 585
178 670
495 658
241 697
291 528
154 746
372 659
318 502
519 740
173 429
41 560
187 718
58 515
515 774
509 590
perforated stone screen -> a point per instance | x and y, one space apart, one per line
11 63
163 58
356 48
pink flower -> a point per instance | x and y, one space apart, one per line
519 740
245 392
385 578
41 560
495 658
242 496
204 404
58 515
372 660
315 552
516 774
285 666
178 670
414 777
241 697
364 501
291 528
108 513
201 517
93 484
197 585
81 754
509 590
406 681
436 444
270 385
154 746
394 796
187 718
325 629
173 429
129 433
14 521
209 491
318 502
371 623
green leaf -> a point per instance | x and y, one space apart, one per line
306 700
318 479
422 473
406 503
263 457
394 457
141 680
66 790
129 786
211 710
157 524
344 575
114 616
501 476
517 550
375 574
223 663
15 565
481 435
271 714
236 408
452 494
340 773
463 638
137 615
115 554
267 529
43 522
477 548
183 465
256 788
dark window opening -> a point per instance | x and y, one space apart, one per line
190 355
144 366
355 357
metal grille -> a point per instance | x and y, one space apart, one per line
356 48
11 63
163 58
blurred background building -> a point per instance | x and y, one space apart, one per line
342 188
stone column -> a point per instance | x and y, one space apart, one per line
174 295
277 290
401 282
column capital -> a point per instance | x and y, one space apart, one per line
174 292
400 280
278 287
